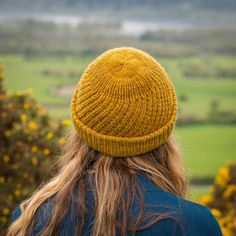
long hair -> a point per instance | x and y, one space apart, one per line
111 180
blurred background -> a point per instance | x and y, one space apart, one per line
45 46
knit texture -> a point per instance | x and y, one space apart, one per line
124 104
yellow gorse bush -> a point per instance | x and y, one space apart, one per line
29 143
222 199
223 177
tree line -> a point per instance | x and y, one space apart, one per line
121 4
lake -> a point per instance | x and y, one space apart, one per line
126 26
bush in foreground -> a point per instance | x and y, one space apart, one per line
29 144
222 199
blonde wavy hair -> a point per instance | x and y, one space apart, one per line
110 179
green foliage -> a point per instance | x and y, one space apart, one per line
221 199
30 37
215 115
208 71
212 41
29 143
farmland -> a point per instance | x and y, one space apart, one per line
49 59
205 147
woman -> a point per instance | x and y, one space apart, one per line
121 172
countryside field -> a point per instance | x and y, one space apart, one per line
44 73
44 49
200 62
206 147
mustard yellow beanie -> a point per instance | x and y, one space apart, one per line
124 104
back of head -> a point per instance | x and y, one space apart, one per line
124 104
124 110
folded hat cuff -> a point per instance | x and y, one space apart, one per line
122 146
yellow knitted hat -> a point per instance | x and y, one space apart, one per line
124 104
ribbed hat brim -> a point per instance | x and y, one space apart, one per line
121 146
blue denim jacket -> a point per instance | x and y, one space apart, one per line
193 219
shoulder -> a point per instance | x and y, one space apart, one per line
15 214
42 216
192 218
199 219
189 218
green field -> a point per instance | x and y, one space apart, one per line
205 147
22 73
197 191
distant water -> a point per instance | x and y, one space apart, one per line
129 27
133 27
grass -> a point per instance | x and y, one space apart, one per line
197 191
201 92
207 147
22 73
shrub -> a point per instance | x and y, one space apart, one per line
29 143
215 115
201 70
222 199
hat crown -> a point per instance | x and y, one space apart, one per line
123 63
124 93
